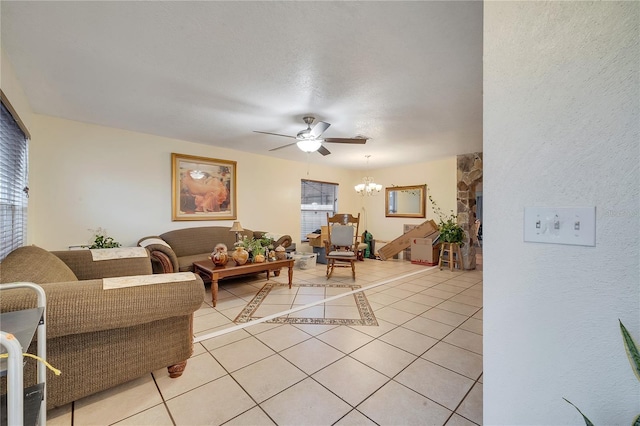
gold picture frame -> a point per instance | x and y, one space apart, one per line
202 188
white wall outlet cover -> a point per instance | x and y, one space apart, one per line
560 225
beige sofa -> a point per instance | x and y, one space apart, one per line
176 250
101 338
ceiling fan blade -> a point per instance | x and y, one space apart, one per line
283 146
324 151
346 140
275 134
319 129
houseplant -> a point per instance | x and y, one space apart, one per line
450 231
631 348
101 240
255 247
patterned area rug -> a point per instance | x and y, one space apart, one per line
360 301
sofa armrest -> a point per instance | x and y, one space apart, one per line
83 265
284 240
161 263
83 306
163 258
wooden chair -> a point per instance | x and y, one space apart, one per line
341 242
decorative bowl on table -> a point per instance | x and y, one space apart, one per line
220 257
281 253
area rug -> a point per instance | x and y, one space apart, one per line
360 302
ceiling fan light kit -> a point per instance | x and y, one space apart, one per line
309 145
309 139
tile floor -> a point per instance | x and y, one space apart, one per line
422 363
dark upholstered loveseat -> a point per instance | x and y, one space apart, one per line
101 338
176 250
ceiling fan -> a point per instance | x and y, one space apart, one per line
309 139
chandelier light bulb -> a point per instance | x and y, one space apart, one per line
369 187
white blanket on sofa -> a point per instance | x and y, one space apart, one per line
118 253
137 280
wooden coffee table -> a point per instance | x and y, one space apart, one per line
206 269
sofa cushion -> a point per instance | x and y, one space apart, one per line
185 263
36 265
194 241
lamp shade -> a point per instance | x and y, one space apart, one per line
310 145
236 227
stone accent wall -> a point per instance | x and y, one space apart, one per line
469 175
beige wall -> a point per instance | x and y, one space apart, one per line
85 176
440 177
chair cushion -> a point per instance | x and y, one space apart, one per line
342 235
36 265
342 253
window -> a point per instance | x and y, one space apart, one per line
13 181
318 199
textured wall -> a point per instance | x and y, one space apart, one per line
561 128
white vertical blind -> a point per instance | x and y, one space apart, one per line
13 184
317 199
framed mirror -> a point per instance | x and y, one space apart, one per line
405 201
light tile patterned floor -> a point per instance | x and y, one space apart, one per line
422 363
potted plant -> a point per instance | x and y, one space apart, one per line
255 247
450 231
101 240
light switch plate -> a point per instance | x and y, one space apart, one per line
560 225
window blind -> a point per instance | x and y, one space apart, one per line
317 199
13 183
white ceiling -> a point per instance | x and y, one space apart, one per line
408 75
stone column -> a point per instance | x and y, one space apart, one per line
469 175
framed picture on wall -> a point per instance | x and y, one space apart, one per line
202 188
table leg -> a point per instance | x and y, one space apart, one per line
290 274
214 289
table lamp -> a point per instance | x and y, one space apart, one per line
237 228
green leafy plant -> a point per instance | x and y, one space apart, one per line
450 231
101 240
255 245
631 348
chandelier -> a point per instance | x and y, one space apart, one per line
368 187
